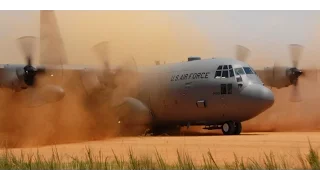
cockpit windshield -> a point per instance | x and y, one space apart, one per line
239 71
248 70
244 70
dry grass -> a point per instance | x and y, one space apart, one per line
184 162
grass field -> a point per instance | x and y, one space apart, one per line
9 161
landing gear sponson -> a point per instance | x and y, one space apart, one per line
228 128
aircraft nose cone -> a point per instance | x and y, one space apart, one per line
267 96
257 97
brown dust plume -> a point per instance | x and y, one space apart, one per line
147 35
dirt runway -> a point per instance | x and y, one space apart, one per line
247 145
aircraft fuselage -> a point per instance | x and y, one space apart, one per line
193 93
198 92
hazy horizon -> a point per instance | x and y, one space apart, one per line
171 36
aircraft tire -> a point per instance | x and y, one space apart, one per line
238 128
228 128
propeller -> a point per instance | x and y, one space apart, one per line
27 44
102 51
41 88
111 84
294 72
242 53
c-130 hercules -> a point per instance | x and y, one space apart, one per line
218 93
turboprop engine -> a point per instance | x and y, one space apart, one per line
283 76
37 83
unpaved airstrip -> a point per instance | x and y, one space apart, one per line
67 126
223 148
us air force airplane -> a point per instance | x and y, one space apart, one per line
217 93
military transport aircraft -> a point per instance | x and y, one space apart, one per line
218 93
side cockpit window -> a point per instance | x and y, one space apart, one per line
248 70
239 71
224 71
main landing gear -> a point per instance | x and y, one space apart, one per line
231 128
228 128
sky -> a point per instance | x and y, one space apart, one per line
171 36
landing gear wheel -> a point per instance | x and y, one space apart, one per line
228 128
238 128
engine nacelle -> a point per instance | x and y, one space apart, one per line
50 93
12 78
277 77
89 81
133 112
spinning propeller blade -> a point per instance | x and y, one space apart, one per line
242 53
293 72
37 78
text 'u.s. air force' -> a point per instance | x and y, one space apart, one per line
202 75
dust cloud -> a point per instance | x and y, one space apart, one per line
63 122
147 35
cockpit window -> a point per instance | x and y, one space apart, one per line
224 71
218 74
231 73
248 70
225 67
239 71
225 74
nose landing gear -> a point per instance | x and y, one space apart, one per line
231 128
